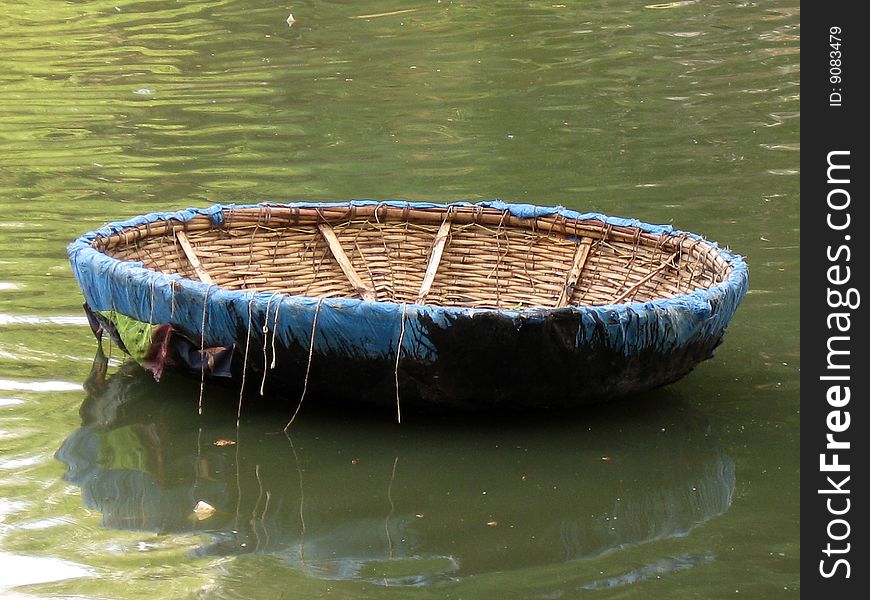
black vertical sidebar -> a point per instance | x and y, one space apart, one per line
835 240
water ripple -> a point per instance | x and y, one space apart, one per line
21 570
7 319
39 386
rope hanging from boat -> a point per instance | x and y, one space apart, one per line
308 366
203 359
266 343
245 363
398 357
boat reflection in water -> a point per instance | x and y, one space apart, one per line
350 497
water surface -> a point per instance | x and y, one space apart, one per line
682 112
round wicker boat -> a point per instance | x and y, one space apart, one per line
462 305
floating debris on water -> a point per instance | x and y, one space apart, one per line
666 5
202 511
387 14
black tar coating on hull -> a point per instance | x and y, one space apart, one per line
483 363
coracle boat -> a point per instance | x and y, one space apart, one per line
480 306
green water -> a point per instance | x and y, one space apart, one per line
683 112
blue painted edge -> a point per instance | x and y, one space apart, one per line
372 329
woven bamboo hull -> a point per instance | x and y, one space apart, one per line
472 306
